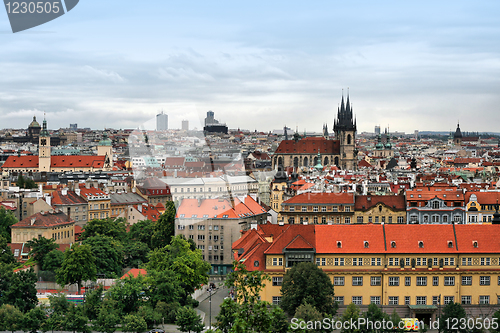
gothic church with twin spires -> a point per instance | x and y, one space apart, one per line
304 152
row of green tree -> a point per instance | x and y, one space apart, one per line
141 302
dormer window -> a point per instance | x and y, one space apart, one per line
366 244
393 244
474 244
450 244
339 244
421 244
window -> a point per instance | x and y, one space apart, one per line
435 300
391 262
335 209
323 208
466 280
484 281
407 300
277 280
321 261
421 300
201 227
292 208
484 299
276 300
338 261
304 208
449 299
375 280
376 261
181 227
315 209
339 300
359 219
277 261
347 220
435 262
485 261
435 280
466 299
347 209
393 300
357 261
449 280
421 281
393 281
375 300
357 280
407 261
358 300
408 281
400 219
338 281
191 227
446 261
201 237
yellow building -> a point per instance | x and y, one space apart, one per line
380 209
99 202
51 224
413 269
318 208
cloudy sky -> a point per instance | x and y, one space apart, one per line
257 64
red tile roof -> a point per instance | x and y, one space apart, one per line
135 272
309 146
44 220
19 162
77 161
394 202
71 198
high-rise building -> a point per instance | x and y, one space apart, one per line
161 122
73 127
377 130
185 125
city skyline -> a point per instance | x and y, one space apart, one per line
418 66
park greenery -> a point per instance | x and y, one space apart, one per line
174 268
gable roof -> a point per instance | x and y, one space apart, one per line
310 145
71 198
366 202
321 198
44 220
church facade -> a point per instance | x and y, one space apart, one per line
306 152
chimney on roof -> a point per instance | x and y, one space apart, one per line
69 213
64 191
33 220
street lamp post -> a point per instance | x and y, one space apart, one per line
210 307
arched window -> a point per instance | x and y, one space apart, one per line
296 162
348 139
326 161
306 162
280 160
316 160
337 161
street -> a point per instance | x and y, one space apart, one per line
217 299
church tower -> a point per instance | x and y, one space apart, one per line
457 137
105 148
345 131
44 149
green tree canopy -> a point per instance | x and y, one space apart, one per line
164 227
249 314
40 247
450 312
188 320
306 283
11 319
129 293
59 303
135 254
18 289
190 268
134 323
34 319
53 260
351 313
141 232
108 254
115 228
6 256
78 265
7 219
75 319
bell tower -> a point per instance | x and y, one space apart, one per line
44 149
345 131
